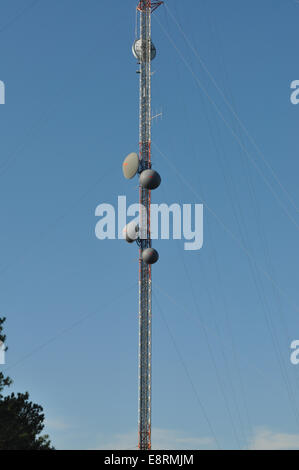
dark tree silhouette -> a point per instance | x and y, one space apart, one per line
21 421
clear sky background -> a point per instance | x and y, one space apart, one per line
223 317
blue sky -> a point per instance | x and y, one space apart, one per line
223 317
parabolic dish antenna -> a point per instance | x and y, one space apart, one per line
150 179
150 255
130 165
137 49
130 231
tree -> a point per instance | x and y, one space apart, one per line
21 421
4 381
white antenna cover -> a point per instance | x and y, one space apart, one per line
130 231
137 49
130 165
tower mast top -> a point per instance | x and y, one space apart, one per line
153 4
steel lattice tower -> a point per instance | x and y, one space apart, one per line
145 8
144 51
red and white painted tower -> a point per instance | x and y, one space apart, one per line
144 51
145 8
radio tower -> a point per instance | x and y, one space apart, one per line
144 51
